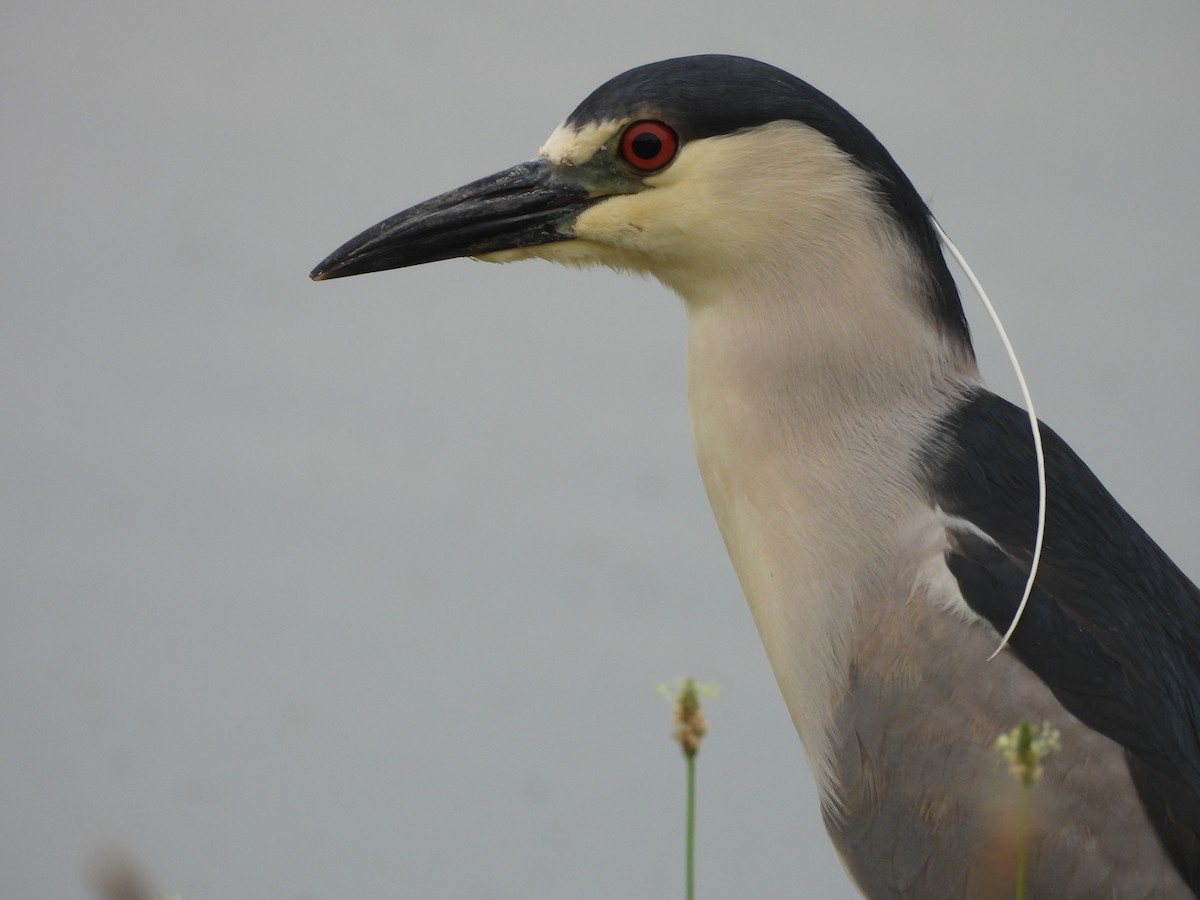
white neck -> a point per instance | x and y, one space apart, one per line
808 406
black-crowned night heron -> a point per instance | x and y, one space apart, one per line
878 503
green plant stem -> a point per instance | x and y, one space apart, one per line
1022 823
691 827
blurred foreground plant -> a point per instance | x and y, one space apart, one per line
690 727
1024 748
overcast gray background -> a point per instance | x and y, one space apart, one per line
362 589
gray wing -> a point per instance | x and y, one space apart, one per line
1113 626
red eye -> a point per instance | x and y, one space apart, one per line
648 145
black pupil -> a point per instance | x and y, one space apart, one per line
646 145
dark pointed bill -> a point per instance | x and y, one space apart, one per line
526 205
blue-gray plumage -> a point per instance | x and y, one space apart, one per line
877 502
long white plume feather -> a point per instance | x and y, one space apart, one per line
1033 424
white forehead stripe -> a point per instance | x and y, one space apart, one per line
571 146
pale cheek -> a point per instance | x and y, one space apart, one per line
644 224
613 222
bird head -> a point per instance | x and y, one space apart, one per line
695 170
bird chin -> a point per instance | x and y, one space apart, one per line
574 253
516 254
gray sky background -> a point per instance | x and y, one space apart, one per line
362 589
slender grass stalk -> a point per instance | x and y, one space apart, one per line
690 891
690 727
1022 827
